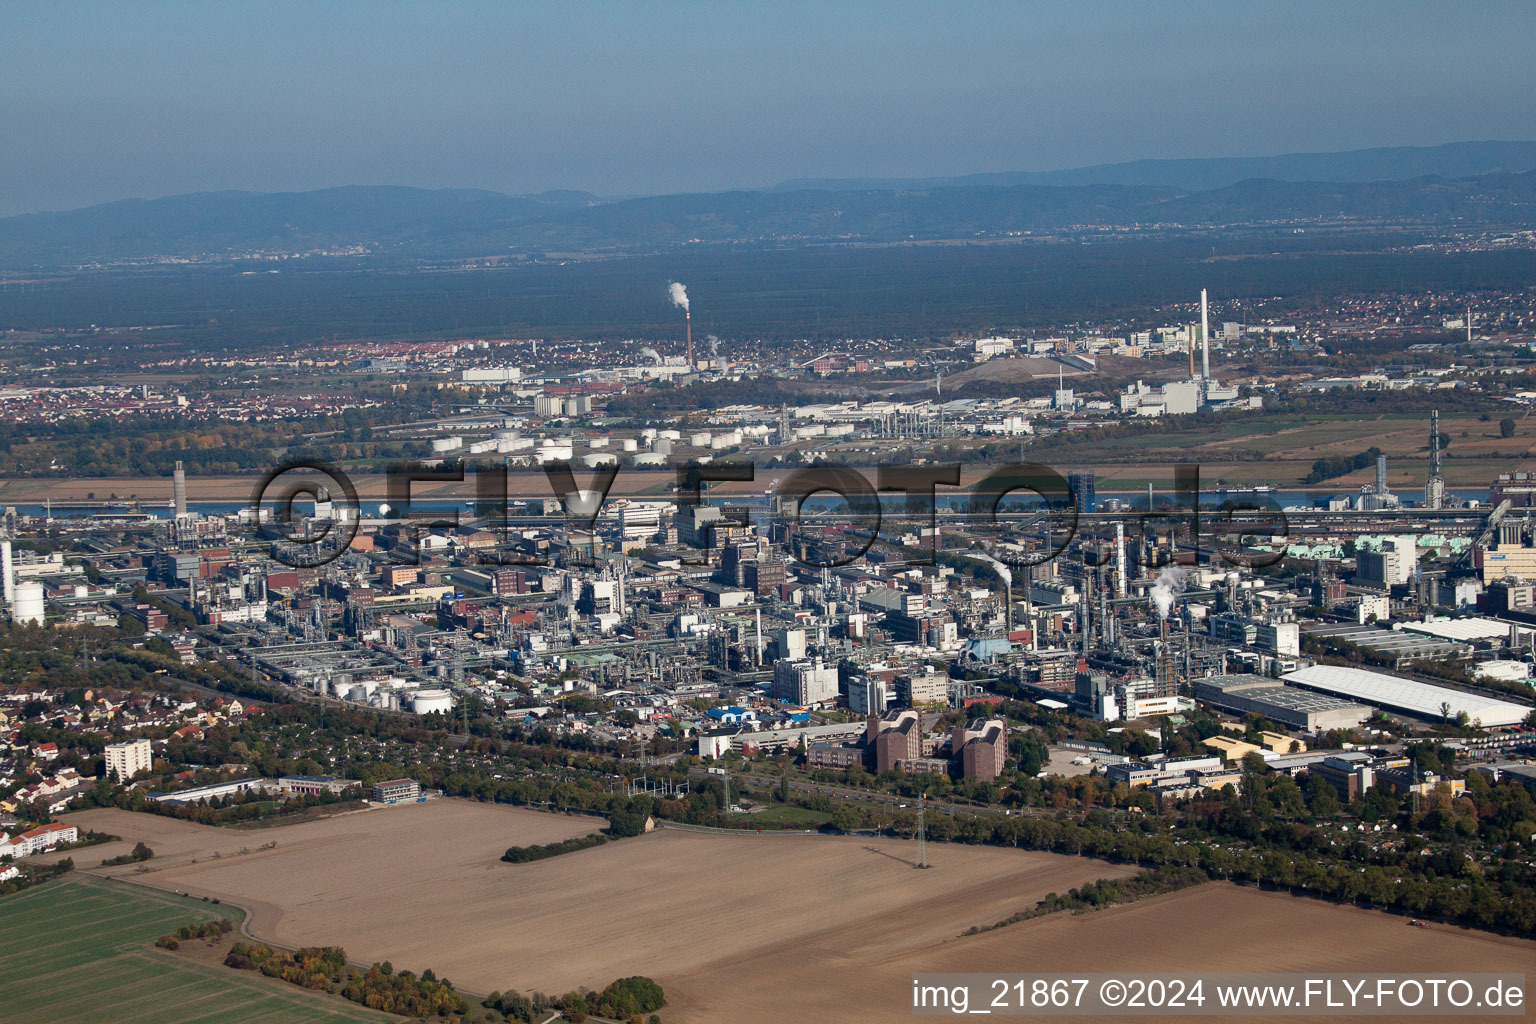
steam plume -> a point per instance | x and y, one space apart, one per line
714 345
678 294
1005 573
1167 587
650 353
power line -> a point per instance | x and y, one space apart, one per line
922 834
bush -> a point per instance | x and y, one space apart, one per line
630 997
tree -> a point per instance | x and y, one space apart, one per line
1506 427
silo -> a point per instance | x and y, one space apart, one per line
28 605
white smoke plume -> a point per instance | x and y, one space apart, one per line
1170 583
1005 573
650 353
714 345
678 294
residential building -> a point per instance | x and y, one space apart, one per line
125 760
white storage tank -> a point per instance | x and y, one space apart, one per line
426 702
28 606
631 445
447 444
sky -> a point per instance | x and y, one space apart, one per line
106 101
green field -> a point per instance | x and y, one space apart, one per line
785 814
81 951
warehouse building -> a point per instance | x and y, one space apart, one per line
1398 644
1300 709
1414 698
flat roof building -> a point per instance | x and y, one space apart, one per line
396 790
1300 709
1406 695
125 760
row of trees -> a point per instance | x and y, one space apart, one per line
1341 465
524 854
324 969
215 929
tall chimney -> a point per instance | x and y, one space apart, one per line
180 485
8 569
1205 337
688 323
1120 581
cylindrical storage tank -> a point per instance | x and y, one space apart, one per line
597 442
425 702
28 606
631 445
648 434
82 591
662 447
650 459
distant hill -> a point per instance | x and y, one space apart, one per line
209 223
1396 163
415 224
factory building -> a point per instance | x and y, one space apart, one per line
1300 709
980 746
897 737
804 682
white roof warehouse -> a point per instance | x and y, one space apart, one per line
1406 695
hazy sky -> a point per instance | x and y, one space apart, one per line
102 101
